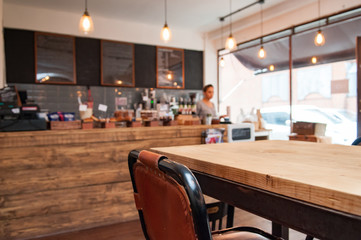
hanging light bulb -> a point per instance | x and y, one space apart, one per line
319 38
262 53
271 67
86 25
165 34
314 60
231 43
222 63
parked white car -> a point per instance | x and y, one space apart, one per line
339 128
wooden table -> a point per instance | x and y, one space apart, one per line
314 188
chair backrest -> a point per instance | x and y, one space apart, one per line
168 198
240 132
216 212
357 142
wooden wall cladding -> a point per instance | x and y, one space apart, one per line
59 181
20 61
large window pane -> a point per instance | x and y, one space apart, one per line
325 91
247 84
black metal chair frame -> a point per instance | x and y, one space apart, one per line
185 178
357 141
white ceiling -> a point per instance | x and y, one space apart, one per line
196 15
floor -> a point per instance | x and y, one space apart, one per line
133 231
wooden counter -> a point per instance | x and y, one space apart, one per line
66 180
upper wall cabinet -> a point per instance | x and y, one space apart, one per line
54 59
117 64
20 56
170 67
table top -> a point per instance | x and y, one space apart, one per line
323 174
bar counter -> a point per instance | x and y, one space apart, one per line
66 180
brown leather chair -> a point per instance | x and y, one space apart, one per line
170 202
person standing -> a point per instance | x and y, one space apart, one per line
205 107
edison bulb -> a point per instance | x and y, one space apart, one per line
86 25
319 39
262 53
165 33
314 60
222 63
271 68
231 43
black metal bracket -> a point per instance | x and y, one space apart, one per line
241 9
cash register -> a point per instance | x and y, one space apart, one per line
17 116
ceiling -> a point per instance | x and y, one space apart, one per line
196 15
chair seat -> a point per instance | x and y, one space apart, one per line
238 236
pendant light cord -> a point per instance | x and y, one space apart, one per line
261 24
165 10
319 15
221 31
86 5
230 10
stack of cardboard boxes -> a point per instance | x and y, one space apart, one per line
310 132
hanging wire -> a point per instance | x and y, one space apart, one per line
165 10
86 5
230 10
221 32
261 23
319 14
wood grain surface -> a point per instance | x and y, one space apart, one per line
323 174
67 180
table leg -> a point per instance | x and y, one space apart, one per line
280 231
230 216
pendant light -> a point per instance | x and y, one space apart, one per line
319 38
165 34
262 53
314 60
86 25
231 41
222 63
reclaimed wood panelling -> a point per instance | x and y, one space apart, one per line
60 181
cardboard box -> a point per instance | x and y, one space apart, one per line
134 124
59 125
311 138
309 128
87 125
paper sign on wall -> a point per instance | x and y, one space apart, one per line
102 107
121 101
83 107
